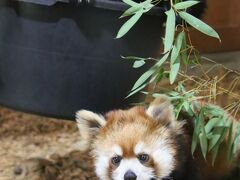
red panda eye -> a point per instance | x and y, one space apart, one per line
116 160
143 158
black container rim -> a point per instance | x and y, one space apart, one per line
103 4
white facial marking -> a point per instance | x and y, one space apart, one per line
159 150
101 166
102 161
142 172
138 148
117 150
161 153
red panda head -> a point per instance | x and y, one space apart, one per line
134 144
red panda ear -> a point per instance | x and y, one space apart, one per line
88 124
161 110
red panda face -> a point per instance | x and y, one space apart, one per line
134 144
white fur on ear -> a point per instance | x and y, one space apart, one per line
161 110
88 124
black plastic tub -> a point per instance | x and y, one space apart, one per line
57 58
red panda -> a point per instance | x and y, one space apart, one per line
144 144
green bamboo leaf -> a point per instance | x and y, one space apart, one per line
196 133
202 134
213 141
235 145
191 111
194 142
185 5
170 30
162 60
210 135
184 51
203 144
229 142
136 90
186 106
175 63
155 95
175 98
178 110
143 78
177 46
211 124
217 137
181 88
199 25
147 5
173 93
132 10
129 24
174 68
236 140
133 58
130 2
214 111
160 75
138 64
189 94
214 154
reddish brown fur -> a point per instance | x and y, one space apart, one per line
154 165
129 127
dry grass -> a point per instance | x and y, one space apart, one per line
37 148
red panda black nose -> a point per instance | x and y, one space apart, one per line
129 175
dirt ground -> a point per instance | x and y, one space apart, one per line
39 148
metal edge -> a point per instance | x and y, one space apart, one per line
103 4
